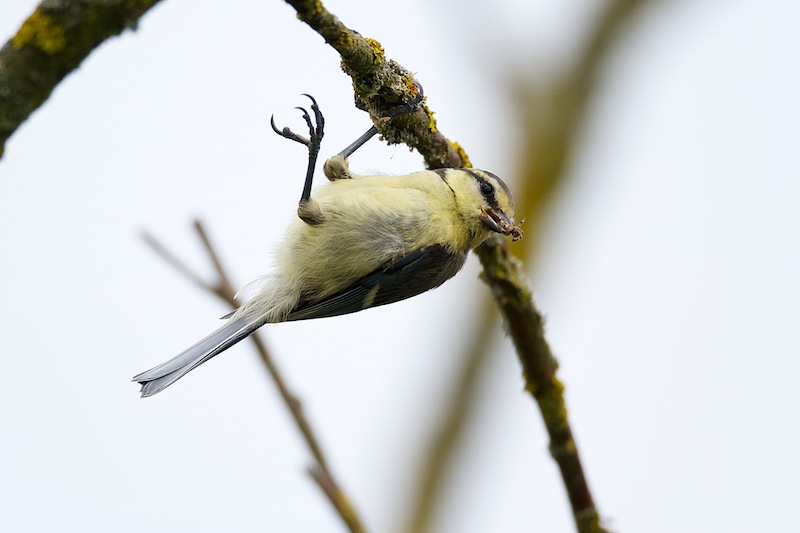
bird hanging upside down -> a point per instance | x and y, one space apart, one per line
360 242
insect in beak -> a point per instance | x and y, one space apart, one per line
499 222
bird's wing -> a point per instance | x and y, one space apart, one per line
408 276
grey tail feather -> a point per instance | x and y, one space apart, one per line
162 376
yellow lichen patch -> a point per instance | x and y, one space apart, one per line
377 51
465 162
317 7
344 40
313 10
39 31
412 89
551 403
431 121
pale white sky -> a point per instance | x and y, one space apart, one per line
668 278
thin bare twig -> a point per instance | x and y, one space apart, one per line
440 453
223 289
337 498
176 263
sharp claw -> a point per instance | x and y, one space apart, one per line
315 132
317 115
274 127
313 102
307 118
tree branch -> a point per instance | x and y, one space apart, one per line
223 289
50 44
446 436
505 278
502 273
380 85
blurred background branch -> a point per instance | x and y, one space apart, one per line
223 289
552 114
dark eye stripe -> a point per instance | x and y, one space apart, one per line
489 196
501 183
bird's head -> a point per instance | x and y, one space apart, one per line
485 202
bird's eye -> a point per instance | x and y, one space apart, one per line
486 187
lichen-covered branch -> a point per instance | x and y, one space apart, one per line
50 44
556 118
525 325
362 59
381 84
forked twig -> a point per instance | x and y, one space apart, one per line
223 289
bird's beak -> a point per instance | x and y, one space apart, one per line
499 222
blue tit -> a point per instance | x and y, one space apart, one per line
360 242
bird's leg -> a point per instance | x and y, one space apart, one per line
308 209
336 167
358 143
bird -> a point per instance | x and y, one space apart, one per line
360 241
